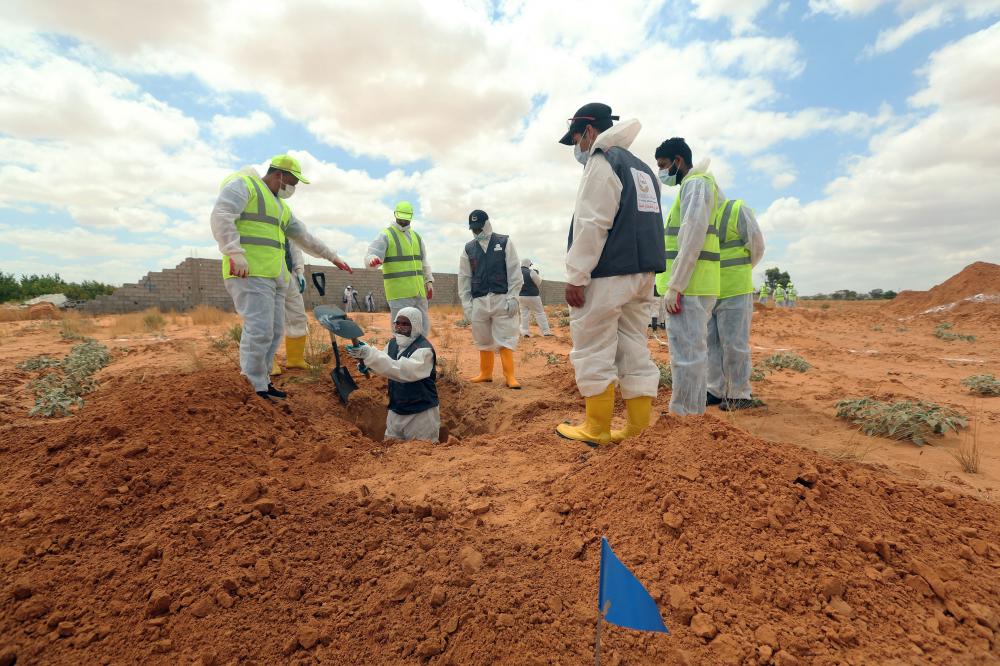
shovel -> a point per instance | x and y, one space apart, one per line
341 376
337 317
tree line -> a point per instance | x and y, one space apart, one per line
776 276
26 287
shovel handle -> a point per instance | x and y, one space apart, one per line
319 281
362 368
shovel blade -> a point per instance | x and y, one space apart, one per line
343 382
331 311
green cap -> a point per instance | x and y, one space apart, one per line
289 164
404 210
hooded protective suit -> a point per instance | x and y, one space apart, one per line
296 322
729 364
531 305
494 317
609 331
687 330
417 366
259 301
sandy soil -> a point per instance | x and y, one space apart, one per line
176 519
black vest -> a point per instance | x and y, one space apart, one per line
489 269
635 241
529 288
413 397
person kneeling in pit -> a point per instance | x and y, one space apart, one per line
409 363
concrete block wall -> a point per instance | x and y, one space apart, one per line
199 281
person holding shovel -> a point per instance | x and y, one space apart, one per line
409 363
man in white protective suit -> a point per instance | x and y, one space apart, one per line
615 250
489 280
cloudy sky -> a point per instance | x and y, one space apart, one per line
864 133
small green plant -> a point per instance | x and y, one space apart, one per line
901 329
153 321
787 360
877 329
59 391
943 331
552 359
463 323
903 420
235 333
824 306
221 344
982 384
758 374
666 377
36 363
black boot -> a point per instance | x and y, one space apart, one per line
653 325
711 399
275 393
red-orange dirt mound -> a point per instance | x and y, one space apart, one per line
178 519
978 278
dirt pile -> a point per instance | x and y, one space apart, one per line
176 520
980 278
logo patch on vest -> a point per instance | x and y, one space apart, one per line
645 192
497 248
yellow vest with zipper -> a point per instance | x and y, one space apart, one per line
735 271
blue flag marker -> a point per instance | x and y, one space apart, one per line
622 599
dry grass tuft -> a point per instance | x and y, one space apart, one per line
207 315
75 326
13 314
147 321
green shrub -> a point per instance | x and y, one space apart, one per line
903 420
787 360
235 333
463 323
982 384
59 391
758 374
943 331
36 363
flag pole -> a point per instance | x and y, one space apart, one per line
597 633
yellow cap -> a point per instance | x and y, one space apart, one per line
404 210
289 164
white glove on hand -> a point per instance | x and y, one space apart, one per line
359 352
238 266
673 299
511 305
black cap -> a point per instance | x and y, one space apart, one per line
479 217
595 113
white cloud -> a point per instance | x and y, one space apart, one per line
229 127
919 206
740 13
892 39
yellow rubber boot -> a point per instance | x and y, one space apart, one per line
275 368
485 368
596 429
507 363
295 349
637 410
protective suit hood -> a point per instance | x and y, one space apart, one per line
526 263
486 232
618 136
416 327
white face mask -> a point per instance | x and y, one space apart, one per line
403 340
580 156
286 191
667 178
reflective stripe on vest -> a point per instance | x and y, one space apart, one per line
262 227
736 276
403 266
705 280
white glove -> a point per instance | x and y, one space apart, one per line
467 311
511 305
238 265
359 352
673 300
301 280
